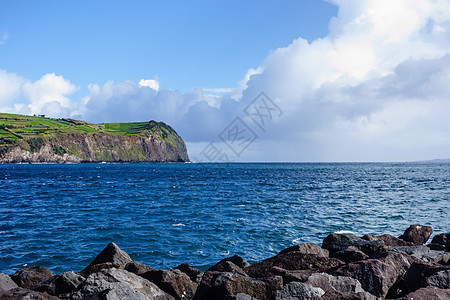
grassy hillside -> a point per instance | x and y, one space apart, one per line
32 132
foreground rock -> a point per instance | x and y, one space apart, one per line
347 268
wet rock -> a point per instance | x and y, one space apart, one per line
111 254
137 268
306 248
338 241
25 294
377 276
389 240
442 240
350 254
119 284
417 234
429 292
6 283
292 261
218 285
235 259
60 285
298 290
193 273
30 276
423 252
175 283
440 279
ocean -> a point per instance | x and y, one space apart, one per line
61 216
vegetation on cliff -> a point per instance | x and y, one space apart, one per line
40 139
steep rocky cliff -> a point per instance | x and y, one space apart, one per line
33 139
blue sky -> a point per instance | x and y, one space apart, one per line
342 80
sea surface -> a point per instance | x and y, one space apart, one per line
62 216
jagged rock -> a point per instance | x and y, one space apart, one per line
25 294
417 234
298 290
350 254
292 261
429 292
443 240
60 285
6 283
377 276
193 273
112 254
423 252
235 259
30 276
291 275
175 283
218 285
440 279
339 287
227 266
119 284
98 267
137 267
306 248
338 241
389 240
239 296
417 275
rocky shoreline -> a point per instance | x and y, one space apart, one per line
345 267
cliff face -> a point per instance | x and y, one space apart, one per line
156 142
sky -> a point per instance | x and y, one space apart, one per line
294 80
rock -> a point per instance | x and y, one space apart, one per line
193 273
6 283
442 239
292 261
119 284
239 296
60 285
30 276
417 234
389 240
218 285
377 276
175 283
440 279
339 287
423 252
235 259
25 294
137 268
291 275
306 248
98 267
337 241
429 292
227 266
112 254
350 254
298 290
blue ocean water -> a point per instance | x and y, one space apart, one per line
62 216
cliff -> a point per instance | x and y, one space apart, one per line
40 139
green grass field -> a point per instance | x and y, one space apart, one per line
16 127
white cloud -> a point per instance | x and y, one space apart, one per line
151 83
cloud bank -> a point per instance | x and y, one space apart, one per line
375 88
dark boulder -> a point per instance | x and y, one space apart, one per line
292 261
429 292
137 268
417 234
227 266
193 273
338 241
6 283
440 279
377 276
306 248
173 282
235 259
218 285
417 275
350 254
291 275
98 267
389 240
25 294
298 290
119 284
424 253
239 296
111 254
30 276
443 240
61 285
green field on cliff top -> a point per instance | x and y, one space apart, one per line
16 127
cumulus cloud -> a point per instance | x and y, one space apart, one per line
375 88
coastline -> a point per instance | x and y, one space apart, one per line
344 267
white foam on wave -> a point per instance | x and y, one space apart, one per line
178 225
345 232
